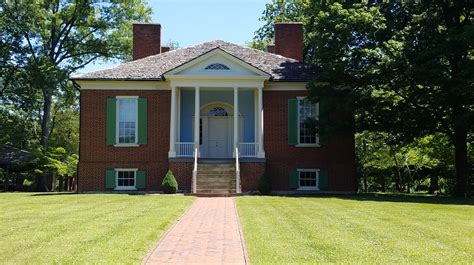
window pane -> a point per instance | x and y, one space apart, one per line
306 110
127 120
126 178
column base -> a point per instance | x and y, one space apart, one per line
261 155
171 154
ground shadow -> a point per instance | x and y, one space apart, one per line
407 198
53 193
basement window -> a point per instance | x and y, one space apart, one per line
308 179
217 66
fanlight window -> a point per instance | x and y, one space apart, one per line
217 66
217 111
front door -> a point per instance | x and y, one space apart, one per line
218 137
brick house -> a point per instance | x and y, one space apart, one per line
217 114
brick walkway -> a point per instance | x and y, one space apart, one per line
208 233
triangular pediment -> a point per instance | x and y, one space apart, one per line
217 63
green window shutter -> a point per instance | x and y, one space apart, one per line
294 179
323 180
323 131
111 122
142 120
110 179
292 121
140 180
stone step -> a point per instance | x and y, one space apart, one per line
215 166
215 184
218 170
214 180
216 191
216 175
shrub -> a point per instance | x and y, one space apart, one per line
264 185
169 185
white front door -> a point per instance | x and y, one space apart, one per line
218 137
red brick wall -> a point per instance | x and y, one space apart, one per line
289 40
183 172
250 173
337 156
96 156
146 40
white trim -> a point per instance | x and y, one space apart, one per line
317 144
122 85
117 122
207 107
308 170
172 151
117 170
209 55
209 83
285 86
126 97
126 145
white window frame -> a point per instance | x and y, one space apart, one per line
316 170
117 122
317 144
134 170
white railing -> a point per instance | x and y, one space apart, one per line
237 171
195 169
248 149
184 149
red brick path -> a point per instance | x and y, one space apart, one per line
209 233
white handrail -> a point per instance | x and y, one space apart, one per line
195 168
237 171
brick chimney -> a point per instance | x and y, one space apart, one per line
146 40
288 40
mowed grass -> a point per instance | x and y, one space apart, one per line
86 228
358 229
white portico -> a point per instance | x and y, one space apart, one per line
223 95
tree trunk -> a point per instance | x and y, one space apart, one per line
45 122
463 187
434 183
366 186
399 180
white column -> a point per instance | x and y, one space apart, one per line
197 103
236 119
261 152
172 152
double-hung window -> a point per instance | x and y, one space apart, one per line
308 179
125 179
307 110
127 120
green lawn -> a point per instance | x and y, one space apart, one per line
92 228
358 229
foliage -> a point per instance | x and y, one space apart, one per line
391 229
264 185
259 44
109 225
403 68
169 184
44 42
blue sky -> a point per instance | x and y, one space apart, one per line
190 22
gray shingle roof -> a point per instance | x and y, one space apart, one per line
153 67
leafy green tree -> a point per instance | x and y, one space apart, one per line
405 68
46 41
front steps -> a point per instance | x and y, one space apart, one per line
215 179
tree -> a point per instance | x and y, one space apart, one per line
403 68
45 41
